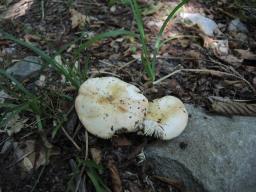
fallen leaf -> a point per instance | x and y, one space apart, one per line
115 177
78 19
232 60
219 47
96 155
246 54
184 43
152 8
28 38
238 84
31 159
229 107
17 9
194 54
174 183
15 124
121 141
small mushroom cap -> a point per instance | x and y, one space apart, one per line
107 105
166 118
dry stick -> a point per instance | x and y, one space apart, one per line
231 69
102 72
78 127
127 64
225 67
71 139
42 10
205 71
106 63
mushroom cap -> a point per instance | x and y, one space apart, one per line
166 118
108 105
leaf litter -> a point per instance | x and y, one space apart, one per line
197 66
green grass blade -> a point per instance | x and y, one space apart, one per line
138 19
8 105
170 16
39 123
96 180
92 170
18 85
50 61
160 34
105 35
12 111
145 56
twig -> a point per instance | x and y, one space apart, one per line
69 89
20 159
102 72
205 71
78 127
42 10
127 64
4 140
37 180
231 69
71 139
106 63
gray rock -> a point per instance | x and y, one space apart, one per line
214 153
237 26
26 68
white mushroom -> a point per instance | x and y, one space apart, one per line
166 118
108 105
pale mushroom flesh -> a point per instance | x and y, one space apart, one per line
108 105
166 118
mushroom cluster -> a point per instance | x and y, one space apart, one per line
107 106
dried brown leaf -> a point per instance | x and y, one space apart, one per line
219 47
96 155
30 157
246 54
17 9
115 177
78 19
120 141
29 38
193 54
232 60
174 183
233 108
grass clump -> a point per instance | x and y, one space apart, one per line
93 172
43 108
148 62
